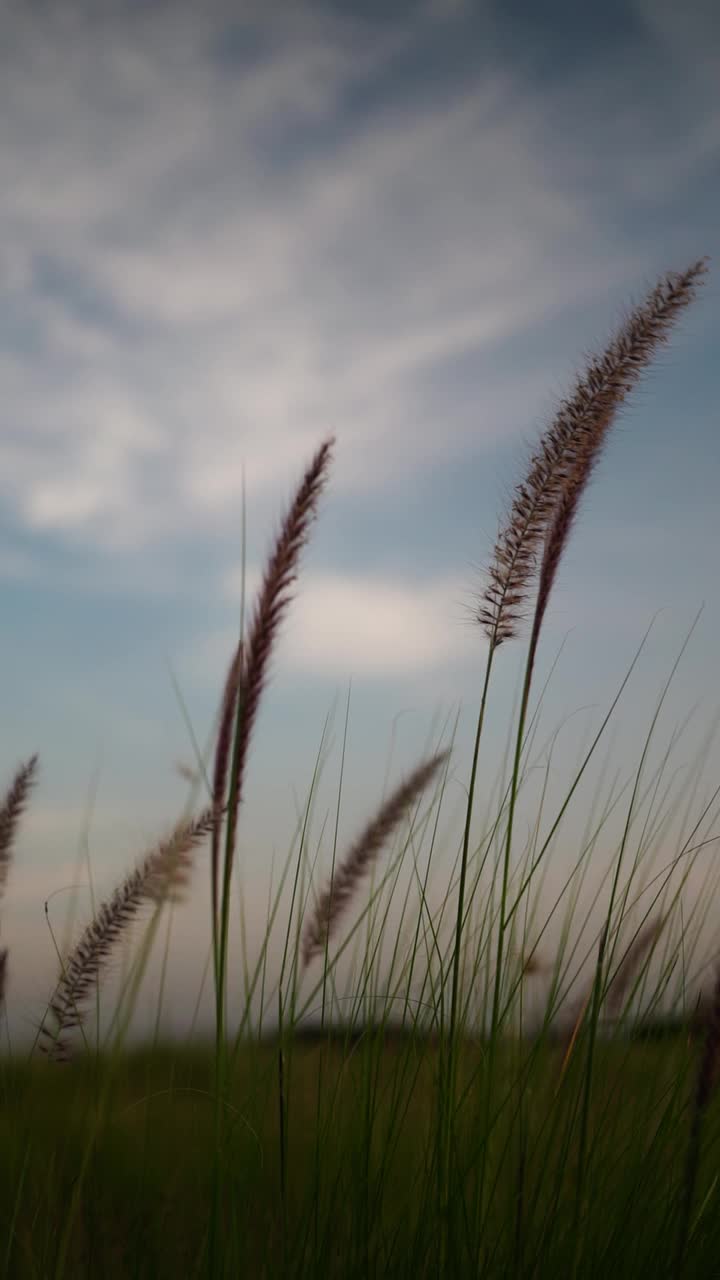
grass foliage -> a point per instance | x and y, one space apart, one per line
385 1104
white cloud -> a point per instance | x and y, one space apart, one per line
210 267
368 626
356 624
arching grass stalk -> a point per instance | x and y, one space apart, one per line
587 1091
463 916
247 676
543 517
283 1061
229 715
541 854
157 878
316 1172
589 415
638 776
244 685
614 988
447 1085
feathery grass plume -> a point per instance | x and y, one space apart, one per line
158 877
615 374
239 714
12 807
272 603
335 898
567 452
588 416
228 708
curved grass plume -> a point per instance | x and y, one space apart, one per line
158 878
356 863
10 812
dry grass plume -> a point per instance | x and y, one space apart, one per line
228 710
158 877
248 671
546 502
12 807
337 895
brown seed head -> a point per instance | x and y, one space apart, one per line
546 502
158 877
270 609
337 895
10 812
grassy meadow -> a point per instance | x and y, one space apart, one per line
414 1085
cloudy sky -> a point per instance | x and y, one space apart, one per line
227 232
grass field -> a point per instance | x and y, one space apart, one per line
455 1136
361 1175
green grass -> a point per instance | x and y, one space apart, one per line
366 1205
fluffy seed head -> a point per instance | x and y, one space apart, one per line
11 810
158 877
274 598
337 895
545 503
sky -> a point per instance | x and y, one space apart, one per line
227 232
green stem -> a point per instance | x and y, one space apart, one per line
220 987
514 783
448 1092
587 1094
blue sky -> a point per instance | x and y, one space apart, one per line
225 237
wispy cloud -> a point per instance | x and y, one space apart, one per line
212 257
355 624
